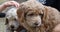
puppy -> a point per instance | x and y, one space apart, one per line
36 17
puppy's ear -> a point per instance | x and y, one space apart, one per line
20 15
7 22
45 13
50 13
50 17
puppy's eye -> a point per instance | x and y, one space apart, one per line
41 15
30 14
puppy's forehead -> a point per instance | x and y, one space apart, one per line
34 11
31 7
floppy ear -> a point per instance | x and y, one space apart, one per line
45 21
50 13
20 15
50 17
45 14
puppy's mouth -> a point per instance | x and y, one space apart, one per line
36 25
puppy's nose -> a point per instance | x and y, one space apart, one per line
36 24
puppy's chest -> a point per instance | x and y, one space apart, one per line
34 30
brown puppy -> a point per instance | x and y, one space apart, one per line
36 17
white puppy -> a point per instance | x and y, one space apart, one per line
12 18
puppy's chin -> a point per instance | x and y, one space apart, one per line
35 26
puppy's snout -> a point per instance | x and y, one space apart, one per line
12 26
36 24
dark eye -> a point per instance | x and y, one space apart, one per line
30 14
41 15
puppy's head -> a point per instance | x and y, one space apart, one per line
31 14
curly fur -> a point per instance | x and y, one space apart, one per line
50 18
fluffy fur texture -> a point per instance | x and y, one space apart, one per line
11 19
36 17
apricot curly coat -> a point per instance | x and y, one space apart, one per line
50 18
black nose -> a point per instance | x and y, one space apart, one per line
36 23
12 28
